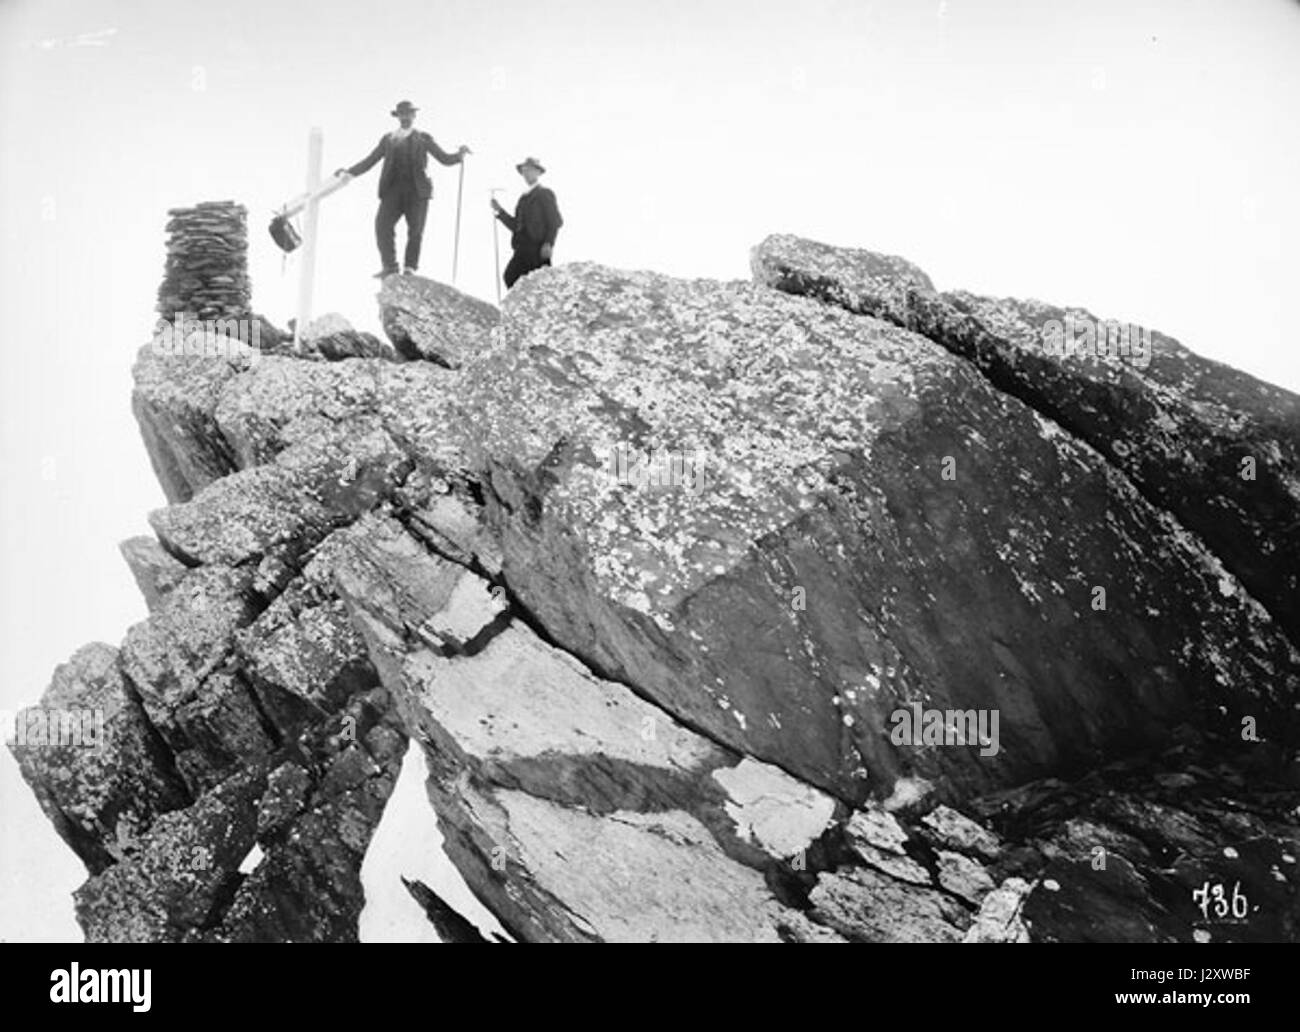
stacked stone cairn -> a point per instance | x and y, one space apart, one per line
206 275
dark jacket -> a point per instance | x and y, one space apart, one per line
404 162
536 219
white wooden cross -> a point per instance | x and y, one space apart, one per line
309 201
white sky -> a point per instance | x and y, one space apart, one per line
1136 158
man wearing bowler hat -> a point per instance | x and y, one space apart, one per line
404 185
533 225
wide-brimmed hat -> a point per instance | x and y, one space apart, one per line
404 107
530 161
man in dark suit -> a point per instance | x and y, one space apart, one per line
404 185
533 225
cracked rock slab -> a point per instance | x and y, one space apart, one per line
576 810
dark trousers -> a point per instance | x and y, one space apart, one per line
401 203
526 258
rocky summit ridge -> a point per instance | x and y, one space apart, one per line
666 578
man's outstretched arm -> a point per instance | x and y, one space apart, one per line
368 162
441 155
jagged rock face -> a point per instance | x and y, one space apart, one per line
154 569
689 685
310 810
100 798
244 711
176 390
173 402
1218 449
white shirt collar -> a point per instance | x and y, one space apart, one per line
401 134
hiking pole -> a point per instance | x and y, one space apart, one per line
496 243
460 189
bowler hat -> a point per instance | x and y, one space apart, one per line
530 161
404 107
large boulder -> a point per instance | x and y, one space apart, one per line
1216 448
429 320
796 528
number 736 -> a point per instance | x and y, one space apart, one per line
1216 896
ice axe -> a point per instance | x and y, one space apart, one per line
460 189
496 243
